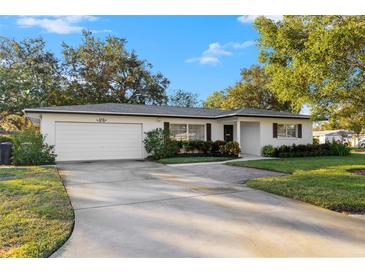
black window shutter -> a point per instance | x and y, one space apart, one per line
275 130
166 128
209 132
299 130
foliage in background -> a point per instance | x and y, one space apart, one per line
285 151
29 148
97 71
250 92
6 138
215 100
30 75
181 98
158 144
315 60
14 122
351 117
102 71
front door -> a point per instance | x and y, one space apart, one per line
228 133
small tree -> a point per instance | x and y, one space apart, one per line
158 144
29 148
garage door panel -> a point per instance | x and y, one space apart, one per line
95 141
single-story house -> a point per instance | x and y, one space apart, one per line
116 131
337 135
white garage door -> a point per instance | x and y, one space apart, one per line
98 141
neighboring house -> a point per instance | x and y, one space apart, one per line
116 131
338 135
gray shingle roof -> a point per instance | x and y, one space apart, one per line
165 111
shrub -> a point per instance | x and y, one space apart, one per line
285 151
29 148
339 149
206 147
6 138
230 148
268 151
216 145
159 145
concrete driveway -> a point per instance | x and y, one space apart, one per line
144 209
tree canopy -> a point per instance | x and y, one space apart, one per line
104 71
250 92
181 98
315 60
30 76
96 71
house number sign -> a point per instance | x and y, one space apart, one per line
101 120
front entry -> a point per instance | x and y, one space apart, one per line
228 133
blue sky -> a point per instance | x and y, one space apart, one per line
200 54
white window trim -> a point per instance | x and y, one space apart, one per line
187 129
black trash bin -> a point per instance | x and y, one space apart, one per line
5 153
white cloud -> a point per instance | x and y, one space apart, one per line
204 60
215 51
57 24
251 18
243 45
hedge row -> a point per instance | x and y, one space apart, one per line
284 151
158 144
216 148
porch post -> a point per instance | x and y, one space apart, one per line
238 133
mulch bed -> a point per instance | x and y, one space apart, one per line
358 171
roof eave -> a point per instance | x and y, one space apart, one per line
162 115
116 113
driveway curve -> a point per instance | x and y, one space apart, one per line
144 209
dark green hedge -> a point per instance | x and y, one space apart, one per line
308 150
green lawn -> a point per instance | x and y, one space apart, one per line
196 159
322 181
36 216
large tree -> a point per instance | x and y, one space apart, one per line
182 98
29 75
315 60
97 71
215 100
101 71
250 92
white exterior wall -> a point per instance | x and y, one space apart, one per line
252 143
48 120
266 130
48 129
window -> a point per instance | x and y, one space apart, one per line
287 130
187 132
178 131
196 132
